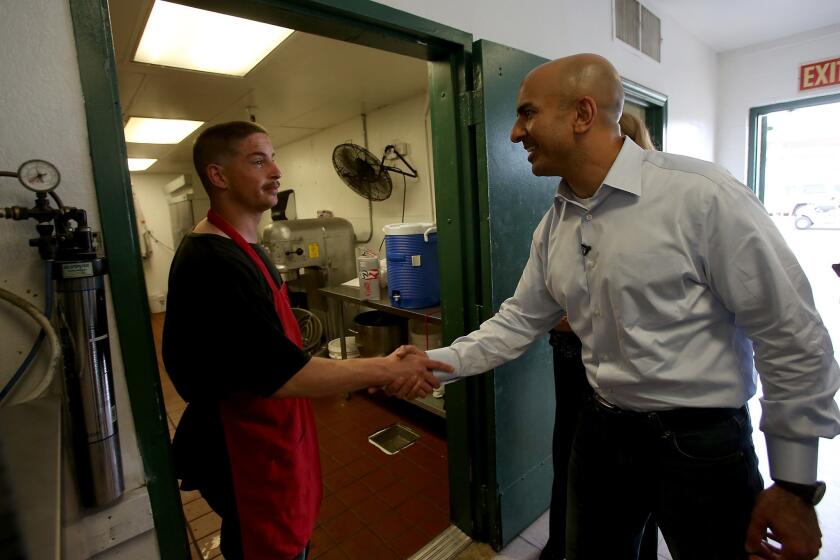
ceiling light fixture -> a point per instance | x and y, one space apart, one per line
143 130
140 164
195 39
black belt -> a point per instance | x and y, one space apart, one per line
675 418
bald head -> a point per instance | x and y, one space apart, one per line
583 75
567 119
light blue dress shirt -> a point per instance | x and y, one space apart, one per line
685 270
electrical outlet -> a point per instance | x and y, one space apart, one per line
401 148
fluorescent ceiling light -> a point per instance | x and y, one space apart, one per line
194 39
142 130
140 164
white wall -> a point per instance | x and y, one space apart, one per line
307 168
42 115
154 203
762 75
551 28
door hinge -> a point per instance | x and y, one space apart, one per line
472 107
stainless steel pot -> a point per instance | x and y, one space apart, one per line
378 333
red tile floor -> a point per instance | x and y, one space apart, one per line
375 506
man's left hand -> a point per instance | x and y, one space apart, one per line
786 519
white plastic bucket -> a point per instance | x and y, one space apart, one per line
334 348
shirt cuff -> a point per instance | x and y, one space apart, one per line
448 356
793 460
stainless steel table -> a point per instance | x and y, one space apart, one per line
350 294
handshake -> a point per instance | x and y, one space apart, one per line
409 373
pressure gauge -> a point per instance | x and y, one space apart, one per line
39 175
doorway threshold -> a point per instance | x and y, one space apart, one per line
447 545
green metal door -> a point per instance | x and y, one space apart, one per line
512 202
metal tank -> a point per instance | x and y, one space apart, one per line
311 254
80 288
68 246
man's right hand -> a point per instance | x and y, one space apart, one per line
411 373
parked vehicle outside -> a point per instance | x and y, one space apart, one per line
824 214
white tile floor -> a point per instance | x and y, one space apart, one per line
530 542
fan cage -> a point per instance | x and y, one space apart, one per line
362 172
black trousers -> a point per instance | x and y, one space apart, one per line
693 469
222 501
572 392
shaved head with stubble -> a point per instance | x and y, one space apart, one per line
567 119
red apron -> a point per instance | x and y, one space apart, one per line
273 450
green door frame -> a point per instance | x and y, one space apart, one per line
656 109
357 21
757 148
95 52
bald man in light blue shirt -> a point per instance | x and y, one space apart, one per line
680 287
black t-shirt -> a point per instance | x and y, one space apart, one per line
221 336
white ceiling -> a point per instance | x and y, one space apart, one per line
730 24
310 83
307 84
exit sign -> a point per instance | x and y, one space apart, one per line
819 74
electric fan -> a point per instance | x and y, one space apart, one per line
368 176
364 173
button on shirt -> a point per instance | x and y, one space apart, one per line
667 273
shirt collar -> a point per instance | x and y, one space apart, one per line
626 171
625 174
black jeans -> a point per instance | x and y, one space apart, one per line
572 392
694 470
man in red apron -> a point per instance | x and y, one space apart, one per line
232 347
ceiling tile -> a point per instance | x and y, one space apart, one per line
307 84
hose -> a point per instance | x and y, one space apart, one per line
311 328
47 331
33 352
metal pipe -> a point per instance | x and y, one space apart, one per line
370 202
